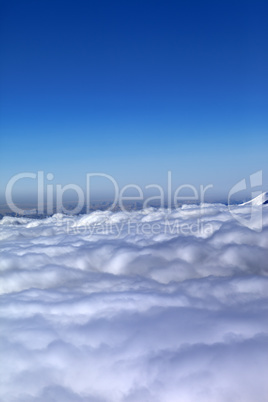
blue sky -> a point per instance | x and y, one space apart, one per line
134 89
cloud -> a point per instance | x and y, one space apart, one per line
147 306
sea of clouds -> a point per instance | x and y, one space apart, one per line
152 305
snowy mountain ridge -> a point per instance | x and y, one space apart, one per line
259 200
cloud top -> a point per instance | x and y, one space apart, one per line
150 305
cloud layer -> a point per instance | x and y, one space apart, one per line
147 306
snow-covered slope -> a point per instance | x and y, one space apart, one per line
260 200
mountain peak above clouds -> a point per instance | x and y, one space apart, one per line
259 200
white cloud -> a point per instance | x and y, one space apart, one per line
101 307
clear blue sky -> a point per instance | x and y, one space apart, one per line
134 89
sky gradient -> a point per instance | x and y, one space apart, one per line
134 89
